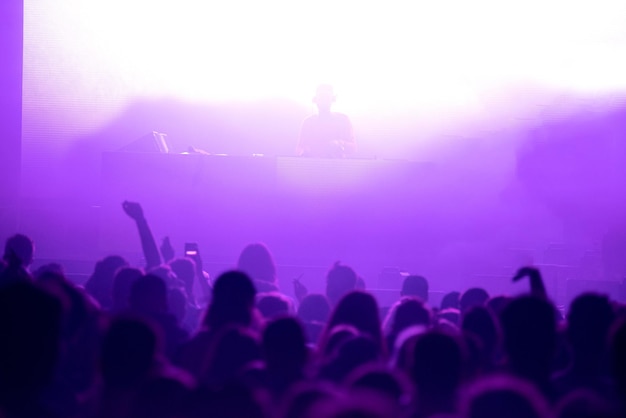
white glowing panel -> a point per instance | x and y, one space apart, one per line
390 61
409 52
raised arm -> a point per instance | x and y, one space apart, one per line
148 244
537 287
203 280
167 251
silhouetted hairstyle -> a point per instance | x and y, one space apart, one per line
273 304
529 329
20 247
257 262
285 352
360 310
480 321
407 312
231 350
350 354
450 300
100 283
584 403
588 322
415 286
340 280
437 369
473 297
382 380
314 307
122 284
233 301
504 396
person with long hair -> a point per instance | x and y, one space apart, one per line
360 310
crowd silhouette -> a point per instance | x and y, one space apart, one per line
164 340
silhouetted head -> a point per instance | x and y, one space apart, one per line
314 308
480 321
340 280
473 297
273 304
351 354
165 272
588 323
148 295
54 268
376 378
100 284
584 403
450 316
407 312
185 270
324 98
450 301
360 283
30 325
360 310
129 351
19 249
233 348
233 301
415 286
122 283
497 304
529 331
306 400
285 351
504 396
335 337
108 266
402 355
437 368
257 262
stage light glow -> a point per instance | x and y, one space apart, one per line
391 62
241 50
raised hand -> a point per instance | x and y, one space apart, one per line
299 290
202 277
526 272
167 251
148 244
198 260
133 209
537 287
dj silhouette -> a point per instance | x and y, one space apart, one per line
327 134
